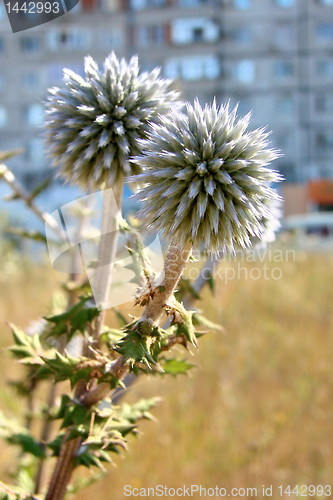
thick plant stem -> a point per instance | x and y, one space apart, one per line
207 270
175 263
107 249
63 469
174 266
48 423
106 256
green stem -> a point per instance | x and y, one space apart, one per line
102 281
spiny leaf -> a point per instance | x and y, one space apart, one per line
14 433
65 367
199 319
76 415
175 367
183 322
136 348
139 410
27 443
27 347
75 319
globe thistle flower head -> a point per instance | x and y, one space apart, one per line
94 122
205 179
271 224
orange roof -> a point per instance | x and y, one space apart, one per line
321 191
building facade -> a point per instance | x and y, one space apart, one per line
274 57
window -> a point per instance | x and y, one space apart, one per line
285 3
31 80
151 34
244 71
30 44
191 30
109 39
71 39
285 104
324 32
241 34
2 44
284 140
324 103
2 11
3 116
193 67
35 150
325 2
242 4
34 114
284 35
192 3
138 4
144 4
325 68
289 172
324 140
283 69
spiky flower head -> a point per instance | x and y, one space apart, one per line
271 224
206 179
94 123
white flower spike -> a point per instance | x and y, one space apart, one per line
205 179
94 123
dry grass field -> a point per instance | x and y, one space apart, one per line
258 410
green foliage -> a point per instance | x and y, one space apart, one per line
13 433
185 288
175 366
99 429
74 320
10 492
108 435
137 348
27 348
184 324
24 233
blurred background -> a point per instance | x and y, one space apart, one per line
274 57
258 408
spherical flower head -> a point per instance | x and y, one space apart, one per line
94 123
271 224
206 179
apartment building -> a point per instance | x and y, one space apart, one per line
274 57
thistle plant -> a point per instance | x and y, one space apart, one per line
204 183
93 126
206 180
94 123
